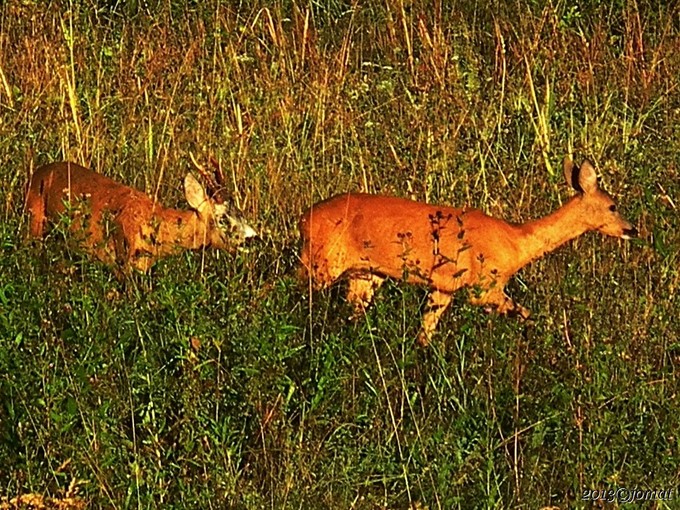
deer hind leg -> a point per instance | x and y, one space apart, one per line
305 269
37 226
318 269
497 300
361 289
437 303
36 209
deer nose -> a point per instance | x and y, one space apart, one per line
630 232
244 230
249 232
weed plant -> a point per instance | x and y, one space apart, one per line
218 380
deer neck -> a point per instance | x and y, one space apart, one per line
180 228
544 235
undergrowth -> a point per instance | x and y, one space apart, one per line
218 380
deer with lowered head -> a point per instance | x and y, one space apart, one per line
367 238
123 226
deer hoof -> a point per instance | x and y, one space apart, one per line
423 338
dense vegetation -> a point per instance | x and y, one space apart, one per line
217 380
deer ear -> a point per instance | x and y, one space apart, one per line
587 177
194 192
569 170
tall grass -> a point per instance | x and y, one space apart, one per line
218 380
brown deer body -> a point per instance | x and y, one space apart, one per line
369 237
121 225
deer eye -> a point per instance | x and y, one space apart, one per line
612 208
223 223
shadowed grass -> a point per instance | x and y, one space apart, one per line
218 381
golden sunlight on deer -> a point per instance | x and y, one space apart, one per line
123 226
367 238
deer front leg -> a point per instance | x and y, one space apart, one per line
360 292
437 303
496 299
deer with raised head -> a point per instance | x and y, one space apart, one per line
123 226
367 238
